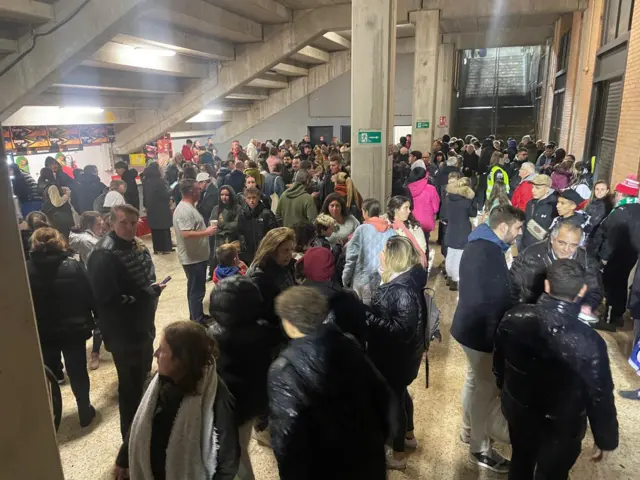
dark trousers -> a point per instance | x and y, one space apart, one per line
196 280
75 359
405 417
213 260
161 240
615 280
97 340
442 231
542 449
132 364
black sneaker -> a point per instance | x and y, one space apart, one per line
453 286
604 326
87 416
493 462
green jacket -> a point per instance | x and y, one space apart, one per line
296 205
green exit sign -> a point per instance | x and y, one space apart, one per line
422 125
368 137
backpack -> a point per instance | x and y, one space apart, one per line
432 325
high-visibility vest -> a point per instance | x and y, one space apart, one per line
491 178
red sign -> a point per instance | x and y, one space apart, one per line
443 121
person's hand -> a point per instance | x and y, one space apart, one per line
66 190
586 309
161 286
120 473
212 230
599 455
315 194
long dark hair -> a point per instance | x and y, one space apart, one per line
232 198
396 203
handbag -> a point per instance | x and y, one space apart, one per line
538 232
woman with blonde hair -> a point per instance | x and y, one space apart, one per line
185 425
345 188
396 333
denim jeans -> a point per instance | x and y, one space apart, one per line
196 287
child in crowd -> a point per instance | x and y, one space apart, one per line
229 263
325 224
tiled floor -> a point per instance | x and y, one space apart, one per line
89 454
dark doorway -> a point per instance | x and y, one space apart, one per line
608 102
316 132
345 133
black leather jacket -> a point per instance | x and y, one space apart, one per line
551 365
396 321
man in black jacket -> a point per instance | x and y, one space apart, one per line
254 221
554 373
122 276
88 188
540 211
129 175
236 177
324 390
529 269
208 195
485 296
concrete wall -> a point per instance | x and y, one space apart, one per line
330 105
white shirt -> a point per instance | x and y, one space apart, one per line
113 199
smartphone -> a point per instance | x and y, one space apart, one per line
166 280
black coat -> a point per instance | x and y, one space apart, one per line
60 218
62 298
615 240
310 426
457 207
552 367
470 162
156 196
253 225
172 173
272 279
485 156
543 211
485 290
88 188
247 344
235 180
598 210
396 321
227 220
209 198
131 196
529 271
442 179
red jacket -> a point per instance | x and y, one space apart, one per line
187 153
522 195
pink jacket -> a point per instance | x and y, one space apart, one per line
426 203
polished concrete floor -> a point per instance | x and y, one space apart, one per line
89 453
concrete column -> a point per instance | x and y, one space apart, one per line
444 90
425 77
28 447
373 54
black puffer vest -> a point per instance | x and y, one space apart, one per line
134 256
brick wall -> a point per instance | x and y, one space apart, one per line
572 73
550 82
627 160
592 31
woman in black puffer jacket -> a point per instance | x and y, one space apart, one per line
396 333
599 207
63 303
248 344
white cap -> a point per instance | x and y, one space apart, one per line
203 177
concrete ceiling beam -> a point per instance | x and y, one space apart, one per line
203 117
85 78
269 81
252 61
47 62
405 45
263 11
206 19
246 93
147 34
500 38
102 101
26 11
34 115
455 9
311 55
290 70
8 46
338 40
124 57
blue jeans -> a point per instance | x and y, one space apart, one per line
196 280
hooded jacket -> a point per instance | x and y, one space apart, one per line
253 225
172 173
598 210
523 193
62 298
543 211
426 202
512 149
396 321
470 162
529 271
209 198
227 217
354 402
156 197
248 344
272 279
485 290
457 207
235 179
131 196
296 205
485 156
362 263
552 367
88 188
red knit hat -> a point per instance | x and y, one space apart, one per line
629 186
318 264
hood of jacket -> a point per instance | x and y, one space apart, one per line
296 190
235 301
88 179
232 198
418 187
380 224
223 172
47 261
529 178
464 191
512 144
487 143
130 175
484 232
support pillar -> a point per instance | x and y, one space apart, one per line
28 447
425 76
444 90
373 55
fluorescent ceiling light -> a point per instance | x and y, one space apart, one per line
83 109
212 112
156 52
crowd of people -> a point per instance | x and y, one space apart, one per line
335 311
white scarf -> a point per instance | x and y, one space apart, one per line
192 452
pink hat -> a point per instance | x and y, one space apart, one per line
629 186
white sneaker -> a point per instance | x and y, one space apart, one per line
395 464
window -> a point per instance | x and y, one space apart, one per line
617 19
563 52
556 116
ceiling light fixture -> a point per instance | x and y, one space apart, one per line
156 52
83 109
212 112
